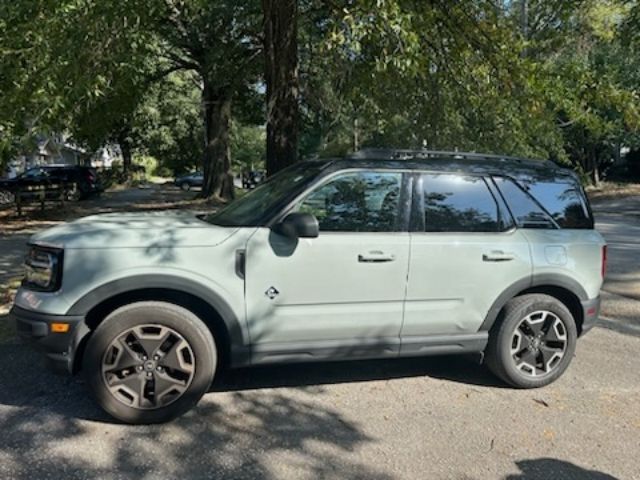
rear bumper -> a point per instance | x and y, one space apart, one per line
590 313
59 348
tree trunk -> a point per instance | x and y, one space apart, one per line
281 75
218 180
595 173
124 141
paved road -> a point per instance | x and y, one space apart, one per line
619 221
417 419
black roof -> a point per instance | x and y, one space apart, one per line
459 162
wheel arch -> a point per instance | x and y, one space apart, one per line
205 303
562 287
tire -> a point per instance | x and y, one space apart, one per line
73 194
6 197
514 355
123 379
185 186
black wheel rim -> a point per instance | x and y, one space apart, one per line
539 343
148 366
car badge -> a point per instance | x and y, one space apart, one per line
272 293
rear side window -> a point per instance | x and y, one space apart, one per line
533 203
456 203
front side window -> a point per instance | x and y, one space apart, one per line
457 203
357 202
34 173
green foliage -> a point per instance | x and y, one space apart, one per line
168 124
248 144
562 82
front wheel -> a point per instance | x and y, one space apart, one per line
185 186
150 362
533 342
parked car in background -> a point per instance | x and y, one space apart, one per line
252 179
81 182
384 254
187 181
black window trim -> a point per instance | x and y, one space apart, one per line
327 176
418 218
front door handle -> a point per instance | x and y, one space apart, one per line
498 256
376 257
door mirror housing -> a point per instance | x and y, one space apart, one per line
298 225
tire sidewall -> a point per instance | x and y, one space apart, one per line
182 321
512 318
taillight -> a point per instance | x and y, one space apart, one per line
604 260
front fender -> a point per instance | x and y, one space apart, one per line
238 335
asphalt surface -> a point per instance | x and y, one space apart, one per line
432 418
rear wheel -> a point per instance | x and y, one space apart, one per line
533 342
73 194
6 197
149 362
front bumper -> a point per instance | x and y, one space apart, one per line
59 348
590 313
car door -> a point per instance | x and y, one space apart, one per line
340 294
465 252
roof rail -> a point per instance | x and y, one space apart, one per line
394 154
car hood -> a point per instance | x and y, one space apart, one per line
134 230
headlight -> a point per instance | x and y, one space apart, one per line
43 268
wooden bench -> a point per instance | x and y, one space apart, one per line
41 193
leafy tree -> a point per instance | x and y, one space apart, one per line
168 124
76 60
248 144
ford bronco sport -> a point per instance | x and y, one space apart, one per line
379 255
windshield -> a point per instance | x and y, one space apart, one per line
257 205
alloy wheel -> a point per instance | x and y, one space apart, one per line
148 366
539 343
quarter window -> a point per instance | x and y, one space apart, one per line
357 202
561 201
456 203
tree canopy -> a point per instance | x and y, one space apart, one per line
205 83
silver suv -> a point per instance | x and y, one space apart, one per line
379 255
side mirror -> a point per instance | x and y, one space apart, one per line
298 225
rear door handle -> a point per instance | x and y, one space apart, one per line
498 256
376 257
